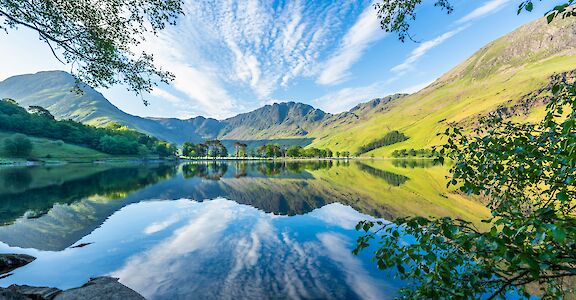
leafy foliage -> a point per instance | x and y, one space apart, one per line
390 138
18 145
414 153
274 150
194 150
114 139
396 16
527 173
215 148
241 149
270 150
97 39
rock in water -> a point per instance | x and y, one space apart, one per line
25 292
100 288
96 289
9 262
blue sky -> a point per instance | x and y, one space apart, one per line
234 56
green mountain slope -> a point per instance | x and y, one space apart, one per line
508 75
51 150
54 90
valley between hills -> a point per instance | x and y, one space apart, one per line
509 77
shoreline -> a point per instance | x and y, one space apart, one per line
83 162
131 160
298 158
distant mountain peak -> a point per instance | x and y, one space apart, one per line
377 104
529 43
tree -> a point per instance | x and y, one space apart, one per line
202 150
525 171
240 149
97 40
18 145
329 153
188 149
270 151
243 150
164 149
40 111
118 145
114 138
215 148
294 151
390 138
236 149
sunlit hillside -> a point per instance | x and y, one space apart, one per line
511 73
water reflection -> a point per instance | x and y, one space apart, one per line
211 170
34 191
215 170
276 229
415 163
172 250
391 178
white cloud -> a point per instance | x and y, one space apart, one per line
346 98
247 255
365 31
204 91
243 51
160 226
340 215
422 49
161 93
337 248
488 7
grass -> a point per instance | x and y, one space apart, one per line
47 150
424 114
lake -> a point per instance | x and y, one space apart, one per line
216 230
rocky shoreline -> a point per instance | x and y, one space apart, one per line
95 289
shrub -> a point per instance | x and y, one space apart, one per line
18 145
390 138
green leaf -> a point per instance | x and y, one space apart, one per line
550 17
562 196
559 234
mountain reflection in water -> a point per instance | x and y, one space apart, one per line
213 229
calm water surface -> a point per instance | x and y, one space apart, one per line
215 230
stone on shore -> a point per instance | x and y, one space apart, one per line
100 288
9 262
26 292
96 289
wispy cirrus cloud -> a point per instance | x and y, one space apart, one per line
421 50
232 55
490 6
346 98
365 32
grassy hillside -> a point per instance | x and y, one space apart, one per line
506 75
502 74
51 150
55 91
